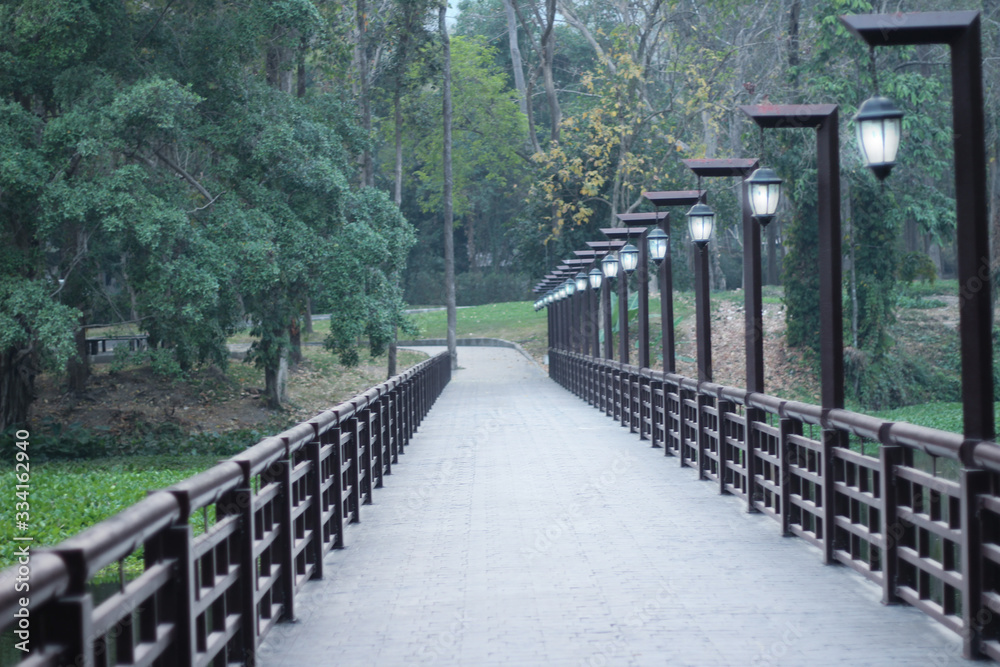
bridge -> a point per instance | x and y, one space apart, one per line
630 523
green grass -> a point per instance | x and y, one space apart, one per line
515 321
67 497
942 416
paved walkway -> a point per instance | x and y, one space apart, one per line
523 527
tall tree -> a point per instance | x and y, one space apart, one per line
449 223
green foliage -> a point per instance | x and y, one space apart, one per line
152 162
77 495
486 117
29 317
799 275
916 266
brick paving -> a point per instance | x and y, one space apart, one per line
523 527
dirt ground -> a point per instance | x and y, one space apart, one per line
783 374
208 400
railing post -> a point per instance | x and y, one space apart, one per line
176 545
355 473
249 624
752 416
314 514
71 624
724 408
701 441
890 456
337 489
974 483
362 435
788 427
831 438
286 538
374 428
384 436
654 386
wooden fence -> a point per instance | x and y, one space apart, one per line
270 516
915 510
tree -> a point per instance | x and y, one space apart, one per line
446 186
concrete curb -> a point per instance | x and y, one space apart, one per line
471 342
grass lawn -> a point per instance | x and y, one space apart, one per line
515 321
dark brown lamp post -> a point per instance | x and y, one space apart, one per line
686 198
628 264
701 221
631 220
961 31
609 269
754 324
578 301
825 118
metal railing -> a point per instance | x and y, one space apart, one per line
869 493
270 514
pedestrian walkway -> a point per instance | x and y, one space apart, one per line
523 527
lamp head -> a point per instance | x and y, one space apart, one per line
658 243
701 221
765 193
879 127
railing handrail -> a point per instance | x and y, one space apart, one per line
932 441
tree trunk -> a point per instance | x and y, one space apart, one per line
523 98
515 56
392 353
307 317
275 382
294 343
548 55
367 168
18 369
78 367
793 47
397 173
449 227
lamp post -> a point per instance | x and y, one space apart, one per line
824 118
754 322
596 279
660 199
610 269
588 322
628 258
578 342
701 220
642 272
962 32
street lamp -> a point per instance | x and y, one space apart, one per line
610 265
660 199
596 278
765 193
581 281
701 221
629 258
658 242
879 126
